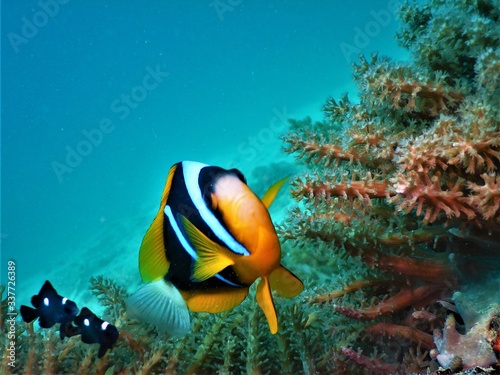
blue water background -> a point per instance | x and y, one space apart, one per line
228 76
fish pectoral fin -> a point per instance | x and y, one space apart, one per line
153 263
217 300
161 304
265 301
285 283
271 193
212 258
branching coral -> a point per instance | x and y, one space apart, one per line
409 181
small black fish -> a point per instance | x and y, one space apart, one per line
94 330
50 308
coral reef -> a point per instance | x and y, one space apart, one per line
234 342
407 182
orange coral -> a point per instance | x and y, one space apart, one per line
486 198
315 147
409 333
414 190
374 365
363 189
430 97
421 295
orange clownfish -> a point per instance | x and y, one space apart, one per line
211 239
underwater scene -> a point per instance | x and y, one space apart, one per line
250 187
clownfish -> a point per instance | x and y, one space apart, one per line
211 239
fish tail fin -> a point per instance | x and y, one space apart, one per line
160 303
28 314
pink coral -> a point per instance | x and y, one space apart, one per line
470 350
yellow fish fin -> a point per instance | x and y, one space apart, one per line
285 283
153 264
212 258
217 300
168 185
265 301
271 193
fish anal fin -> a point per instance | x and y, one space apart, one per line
265 301
153 263
285 283
271 193
216 301
46 322
212 258
102 350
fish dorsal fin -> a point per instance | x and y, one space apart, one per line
265 301
47 288
212 257
46 291
161 304
285 283
168 186
271 193
216 301
153 263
